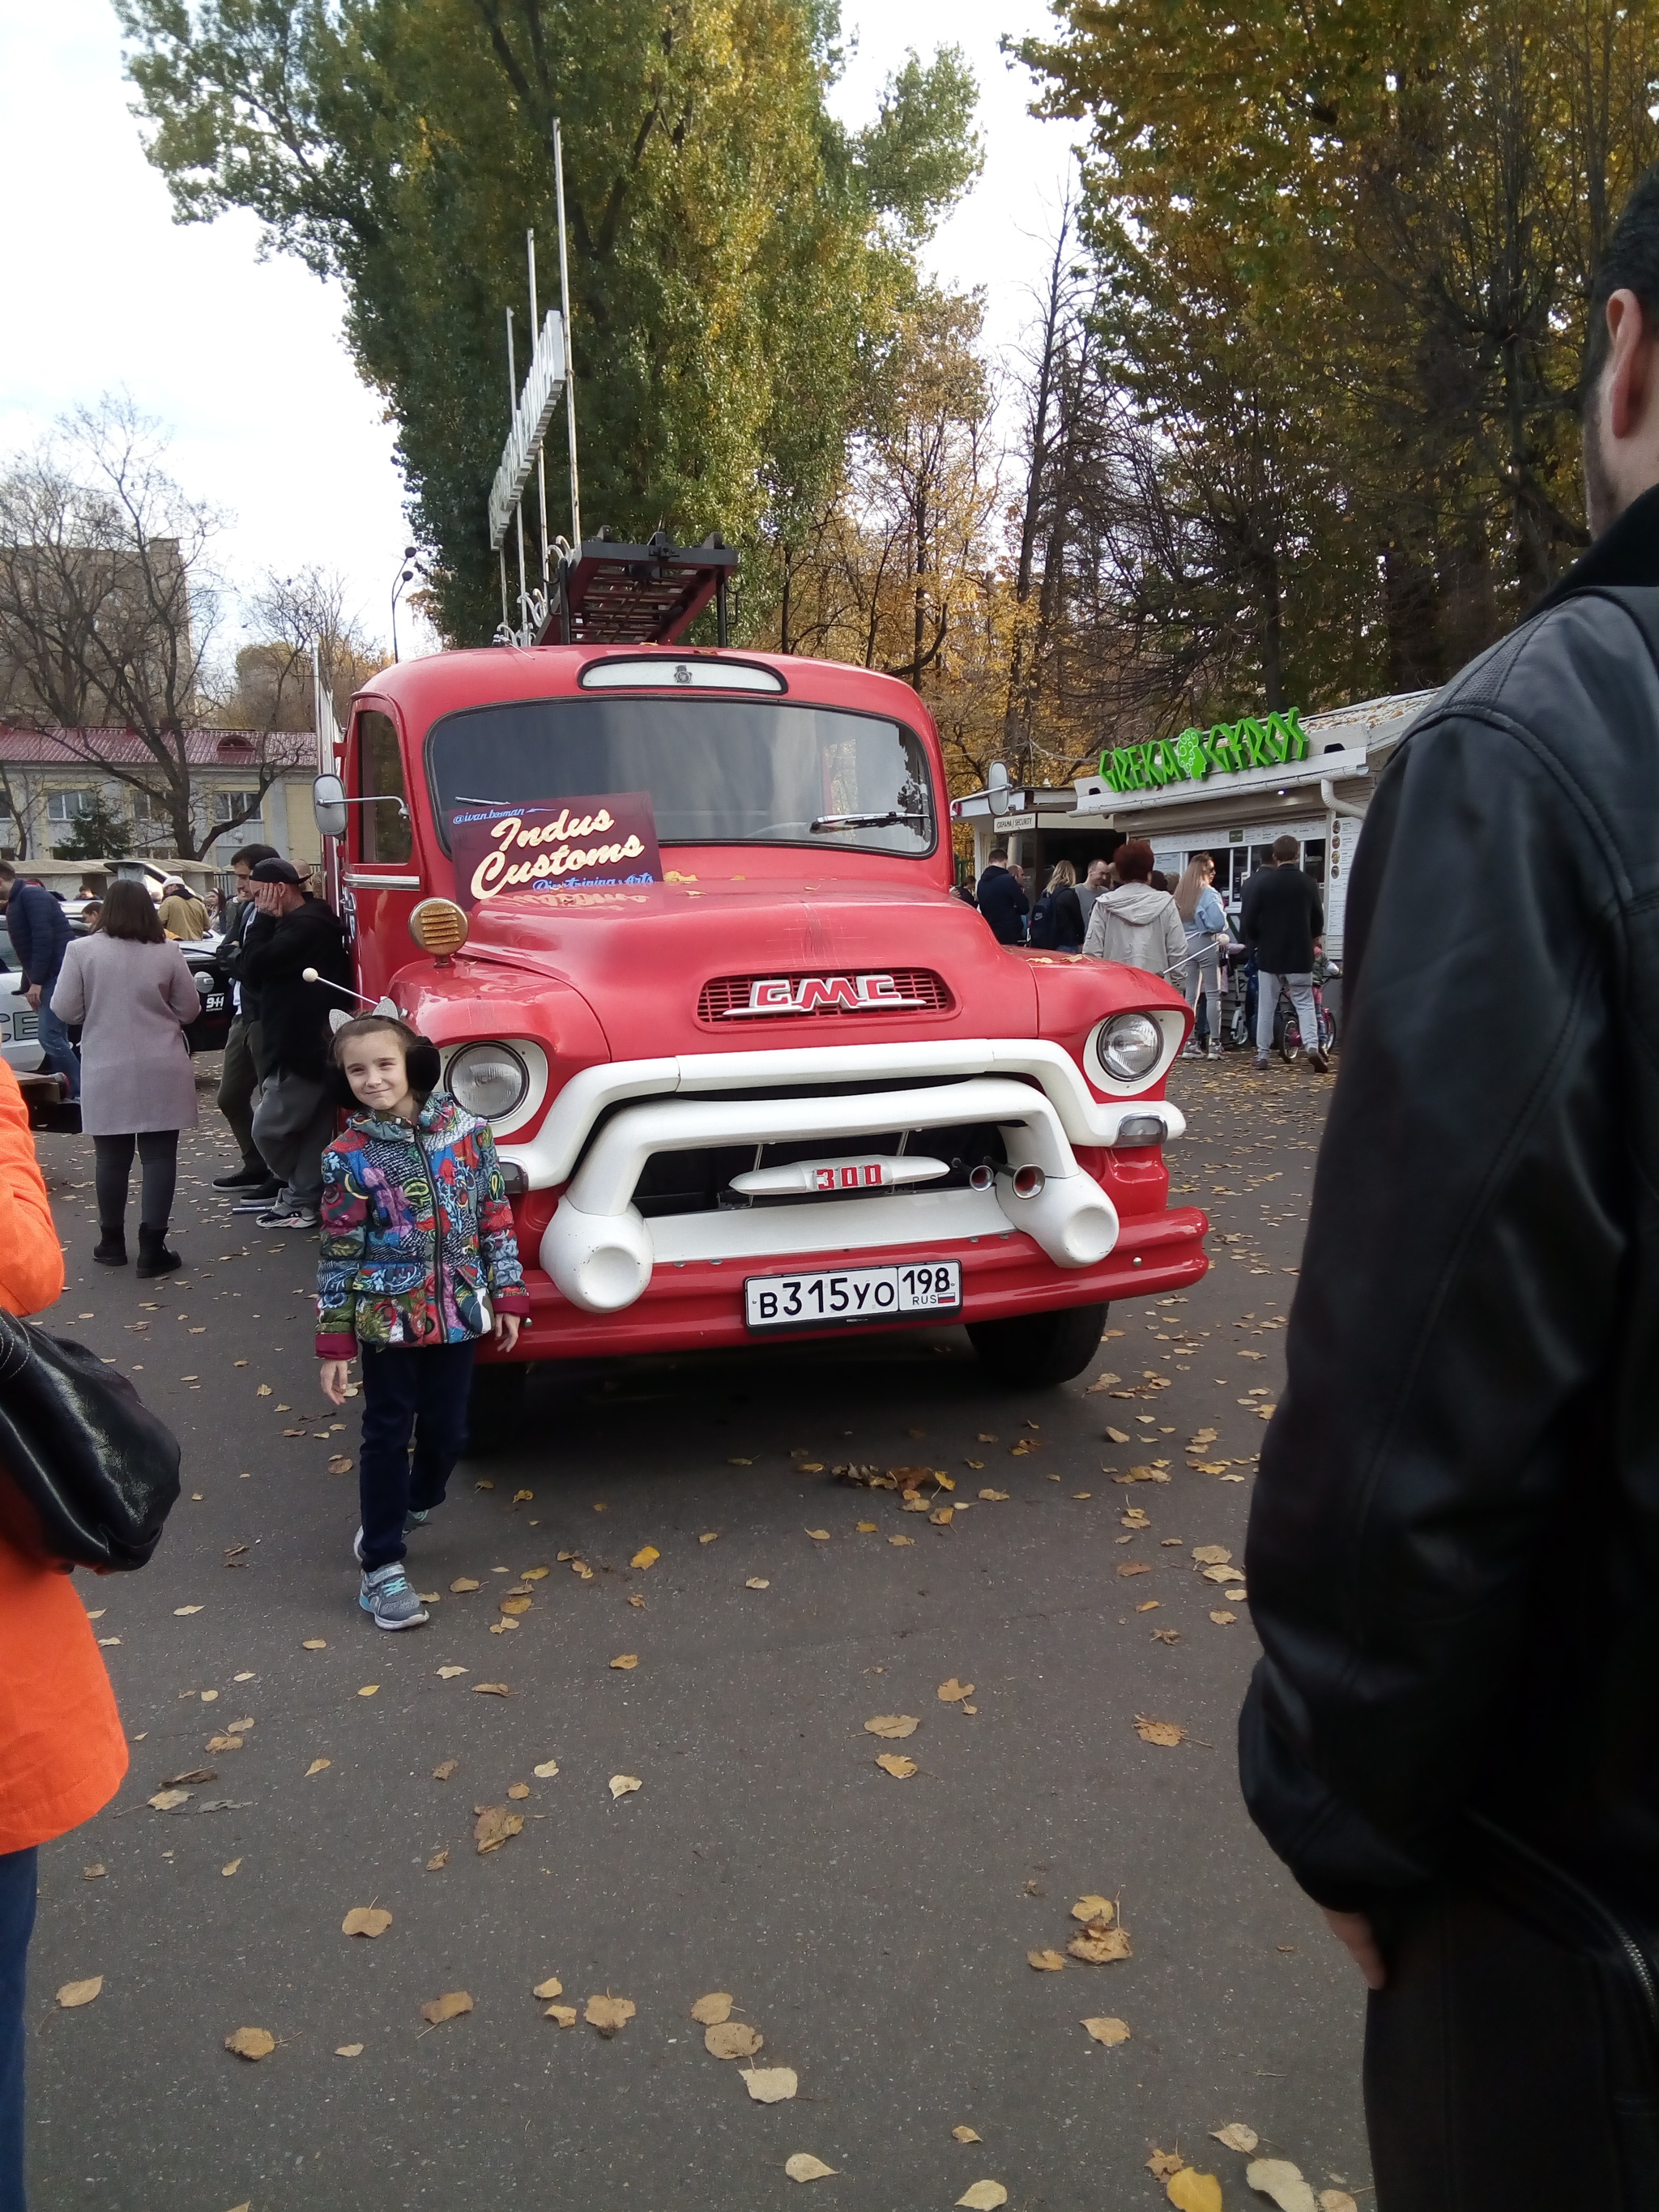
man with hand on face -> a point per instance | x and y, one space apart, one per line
294 1120
1452 1738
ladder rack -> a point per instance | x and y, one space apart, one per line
607 593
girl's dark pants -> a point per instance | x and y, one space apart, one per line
16 1924
409 1391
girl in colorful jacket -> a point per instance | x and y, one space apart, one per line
418 1262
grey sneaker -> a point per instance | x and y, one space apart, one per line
387 1598
1261 1063
412 1521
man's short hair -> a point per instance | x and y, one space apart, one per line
997 852
1287 849
8 871
252 854
1630 265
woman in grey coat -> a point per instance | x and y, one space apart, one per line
132 993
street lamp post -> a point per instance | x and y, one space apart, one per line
405 575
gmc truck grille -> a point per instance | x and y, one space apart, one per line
699 1182
743 998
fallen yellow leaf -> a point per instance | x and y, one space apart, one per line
1223 1620
168 1801
626 1662
967 2135
952 1693
1336 2200
491 1690
232 1867
819 1535
771 2085
1235 2136
250 2043
710 2011
1092 1908
182 1612
314 1643
1101 1950
79 1993
709 1536
1164 1732
983 2197
732 2039
494 1827
366 1920
893 1726
803 2166
448 1674
895 1764
608 2014
436 1863
623 1785
1108 2031
1046 1962
564 2014
865 1528
348 2050
1278 2179
518 1789
647 1556
555 1988
516 1605
463 1582
757 1582
450 2006
994 1497
369 1690
317 1767
1190 2191
902 1539
546 1771
445 1768
1118 1437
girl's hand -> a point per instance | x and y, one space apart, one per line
335 1373
505 1331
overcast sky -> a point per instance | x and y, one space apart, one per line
241 359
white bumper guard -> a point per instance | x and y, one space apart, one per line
601 1252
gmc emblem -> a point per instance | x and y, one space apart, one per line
822 994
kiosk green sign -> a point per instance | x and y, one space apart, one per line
1227 749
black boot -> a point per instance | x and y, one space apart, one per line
154 1257
111 1250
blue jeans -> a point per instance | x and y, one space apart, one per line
408 1390
17 1889
55 1043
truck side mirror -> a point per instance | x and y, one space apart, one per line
328 804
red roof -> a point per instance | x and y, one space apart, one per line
227 749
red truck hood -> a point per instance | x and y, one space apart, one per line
640 958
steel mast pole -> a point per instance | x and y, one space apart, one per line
518 512
541 460
569 351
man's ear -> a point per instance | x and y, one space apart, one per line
1629 378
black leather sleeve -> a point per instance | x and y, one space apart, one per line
1457 1294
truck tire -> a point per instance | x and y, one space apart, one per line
495 1407
1034 1352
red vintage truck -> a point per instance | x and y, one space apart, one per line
773 1077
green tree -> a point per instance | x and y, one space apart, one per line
734 253
101 835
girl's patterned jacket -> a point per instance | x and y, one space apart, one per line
417 1242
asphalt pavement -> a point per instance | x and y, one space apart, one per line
874 1928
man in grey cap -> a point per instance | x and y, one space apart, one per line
294 1120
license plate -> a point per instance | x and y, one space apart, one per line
854 1295
215 1004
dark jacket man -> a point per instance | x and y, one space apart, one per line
1279 916
1002 902
39 933
1454 1543
294 1014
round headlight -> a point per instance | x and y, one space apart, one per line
1128 1045
489 1081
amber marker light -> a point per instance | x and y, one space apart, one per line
439 926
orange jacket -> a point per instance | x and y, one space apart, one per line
62 1751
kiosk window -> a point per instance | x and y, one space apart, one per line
386 831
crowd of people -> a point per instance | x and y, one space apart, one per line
1125 910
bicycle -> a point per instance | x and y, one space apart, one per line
1287 1026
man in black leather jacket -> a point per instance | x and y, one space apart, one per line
1453 1737
1001 901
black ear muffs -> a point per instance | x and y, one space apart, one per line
424 1066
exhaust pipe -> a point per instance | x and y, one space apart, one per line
1028 1181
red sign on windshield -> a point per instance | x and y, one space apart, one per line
593 843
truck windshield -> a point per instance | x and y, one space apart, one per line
719 771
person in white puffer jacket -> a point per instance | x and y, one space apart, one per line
1134 924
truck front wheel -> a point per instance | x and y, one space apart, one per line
1033 1352
495 1408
